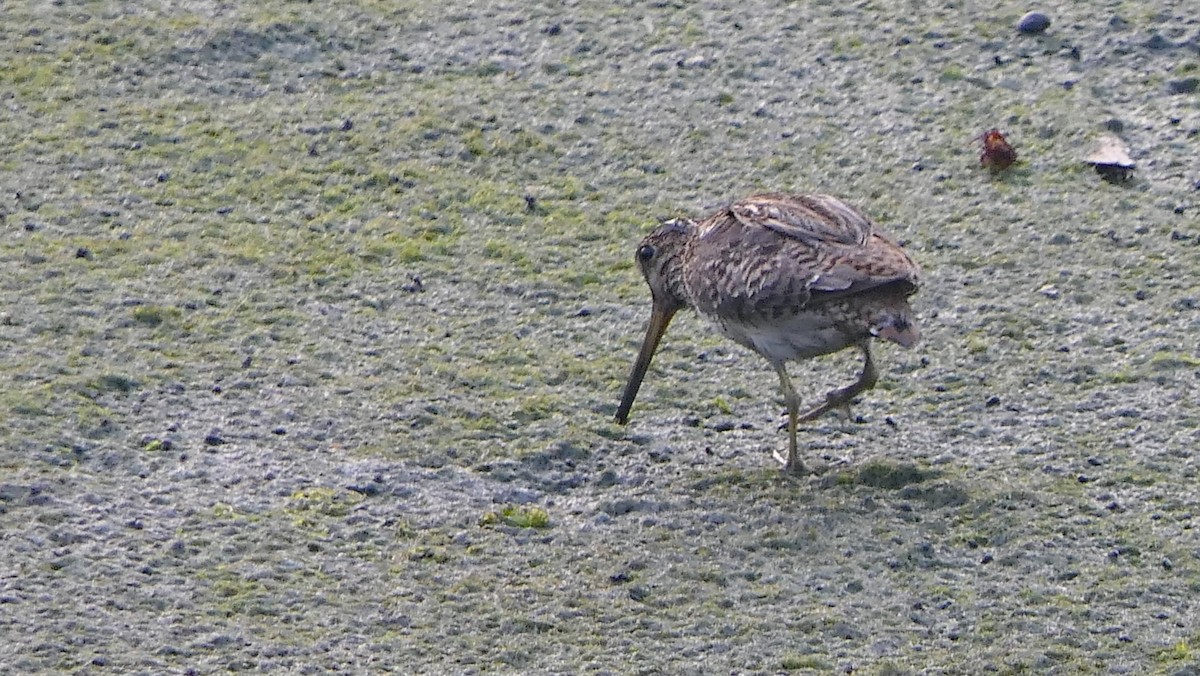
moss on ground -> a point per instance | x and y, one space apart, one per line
295 294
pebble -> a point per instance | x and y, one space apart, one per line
1185 86
1033 23
1157 41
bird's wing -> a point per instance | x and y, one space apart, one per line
833 246
849 271
815 220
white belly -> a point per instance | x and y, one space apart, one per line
804 336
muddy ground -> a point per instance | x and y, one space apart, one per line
314 317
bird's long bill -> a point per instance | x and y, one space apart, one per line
660 316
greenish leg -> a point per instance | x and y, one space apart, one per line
843 396
792 465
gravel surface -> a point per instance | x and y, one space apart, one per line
315 316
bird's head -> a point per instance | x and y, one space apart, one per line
660 258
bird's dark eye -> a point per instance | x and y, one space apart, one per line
645 252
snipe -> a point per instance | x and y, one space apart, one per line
789 276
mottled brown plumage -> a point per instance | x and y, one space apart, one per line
789 276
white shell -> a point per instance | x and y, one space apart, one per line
1111 152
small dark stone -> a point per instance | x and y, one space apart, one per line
213 439
1184 86
1083 478
724 426
992 401
1157 41
279 431
553 29
987 558
347 124
247 362
1166 564
607 478
1114 125
1094 461
83 252
162 176
1140 294
1033 23
846 631
584 312
415 285
1114 174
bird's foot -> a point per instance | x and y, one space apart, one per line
843 461
787 467
839 399
816 412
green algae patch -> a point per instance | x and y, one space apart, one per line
517 516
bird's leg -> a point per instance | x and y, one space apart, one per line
792 465
844 395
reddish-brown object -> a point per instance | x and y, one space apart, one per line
997 154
